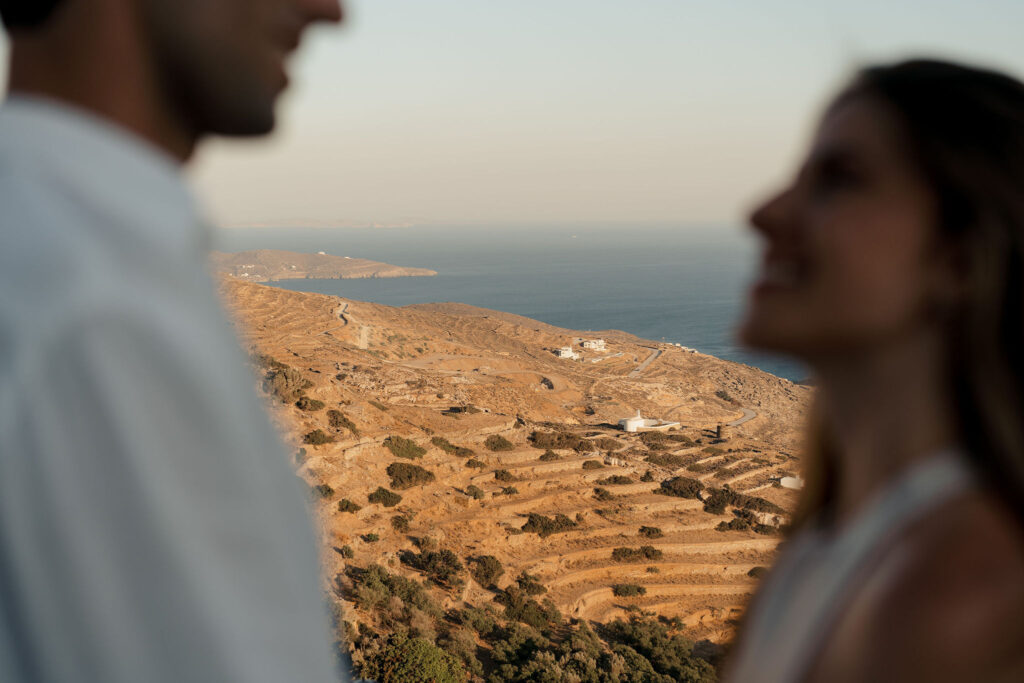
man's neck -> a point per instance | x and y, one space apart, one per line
99 65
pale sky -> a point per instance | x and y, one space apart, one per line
506 112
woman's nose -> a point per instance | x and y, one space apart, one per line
774 217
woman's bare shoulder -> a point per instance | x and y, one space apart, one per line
950 604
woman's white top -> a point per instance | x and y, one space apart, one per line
821 571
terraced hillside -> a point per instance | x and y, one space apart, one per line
440 439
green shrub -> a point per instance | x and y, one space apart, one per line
671 656
648 476
347 552
382 496
646 552
412 660
309 404
400 523
323 490
346 505
549 455
473 462
405 475
441 566
757 572
404 448
509 490
724 395
486 569
628 590
503 475
496 442
338 420
656 441
602 494
451 448
615 480
713 450
530 584
474 492
370 537
546 526
592 464
317 437
681 487
651 532
561 440
520 607
479 619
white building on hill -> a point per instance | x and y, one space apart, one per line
566 352
594 344
638 423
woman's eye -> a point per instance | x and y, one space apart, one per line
835 178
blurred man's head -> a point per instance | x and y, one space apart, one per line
217 66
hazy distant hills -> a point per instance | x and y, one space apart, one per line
268 265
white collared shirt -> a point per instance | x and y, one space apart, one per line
150 526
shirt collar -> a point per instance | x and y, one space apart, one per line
129 175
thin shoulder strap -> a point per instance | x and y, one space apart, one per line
920 489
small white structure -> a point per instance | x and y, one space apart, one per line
566 352
322 253
638 423
795 483
594 344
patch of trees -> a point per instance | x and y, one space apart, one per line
496 442
402 659
681 487
651 532
628 590
561 440
404 448
593 465
718 499
644 552
486 570
317 437
520 607
382 496
405 475
346 505
450 448
615 480
443 567
530 584
670 655
338 420
546 526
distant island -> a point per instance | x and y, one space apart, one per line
270 265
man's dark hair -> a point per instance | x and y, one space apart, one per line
22 14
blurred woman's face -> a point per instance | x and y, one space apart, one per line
848 246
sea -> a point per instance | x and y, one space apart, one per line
680 284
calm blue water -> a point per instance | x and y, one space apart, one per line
684 285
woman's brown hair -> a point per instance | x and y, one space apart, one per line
964 128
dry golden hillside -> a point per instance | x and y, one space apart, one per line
491 433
